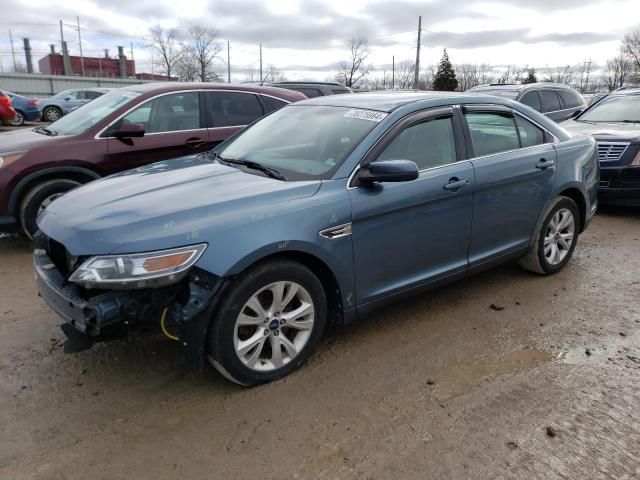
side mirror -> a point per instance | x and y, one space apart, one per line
388 171
129 130
66 99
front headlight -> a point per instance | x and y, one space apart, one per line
139 270
9 157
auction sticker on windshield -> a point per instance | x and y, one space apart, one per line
366 115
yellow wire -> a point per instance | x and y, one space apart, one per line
164 329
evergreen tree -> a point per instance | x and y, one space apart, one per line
531 77
445 78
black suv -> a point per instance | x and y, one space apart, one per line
314 89
557 101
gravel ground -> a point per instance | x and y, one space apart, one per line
441 386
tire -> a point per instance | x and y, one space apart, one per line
37 198
18 121
548 253
51 114
260 364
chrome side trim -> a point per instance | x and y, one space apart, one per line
336 232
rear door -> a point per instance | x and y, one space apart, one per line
514 163
174 127
230 111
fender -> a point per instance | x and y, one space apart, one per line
18 189
341 270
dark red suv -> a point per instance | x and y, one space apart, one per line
124 129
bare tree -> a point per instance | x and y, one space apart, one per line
616 71
356 68
272 74
186 68
251 74
512 74
165 42
631 46
405 74
204 49
559 74
471 75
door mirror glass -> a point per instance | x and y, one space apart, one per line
129 130
388 171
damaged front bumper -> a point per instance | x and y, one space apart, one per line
105 316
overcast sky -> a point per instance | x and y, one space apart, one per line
306 38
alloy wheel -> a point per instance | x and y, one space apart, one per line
274 326
18 120
559 236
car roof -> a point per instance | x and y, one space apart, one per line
328 84
166 87
625 91
521 86
381 101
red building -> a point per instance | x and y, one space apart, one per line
53 64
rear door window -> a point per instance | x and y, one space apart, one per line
571 99
272 103
532 100
550 101
231 109
530 134
492 132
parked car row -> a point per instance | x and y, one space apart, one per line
244 242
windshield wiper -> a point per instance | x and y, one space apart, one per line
630 121
45 131
272 172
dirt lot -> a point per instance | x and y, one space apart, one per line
442 386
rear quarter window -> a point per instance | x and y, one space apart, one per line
571 99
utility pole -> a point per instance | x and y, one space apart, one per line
13 52
393 72
228 62
80 44
260 64
61 36
417 77
586 83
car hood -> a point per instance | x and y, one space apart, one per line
164 205
23 139
603 131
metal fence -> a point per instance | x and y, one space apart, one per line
38 85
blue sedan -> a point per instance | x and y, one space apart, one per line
320 212
27 109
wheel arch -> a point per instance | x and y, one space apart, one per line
319 268
578 197
79 174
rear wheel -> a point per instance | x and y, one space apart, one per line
18 121
268 324
556 239
39 198
51 114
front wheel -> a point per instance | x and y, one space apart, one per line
268 324
39 198
51 114
556 239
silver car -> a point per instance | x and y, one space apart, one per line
62 103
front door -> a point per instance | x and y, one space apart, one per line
174 127
406 235
514 163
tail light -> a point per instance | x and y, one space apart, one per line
6 101
33 102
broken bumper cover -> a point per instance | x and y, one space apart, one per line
89 318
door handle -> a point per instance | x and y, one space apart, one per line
456 184
543 164
194 142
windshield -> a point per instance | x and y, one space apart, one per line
303 142
498 92
88 115
620 108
